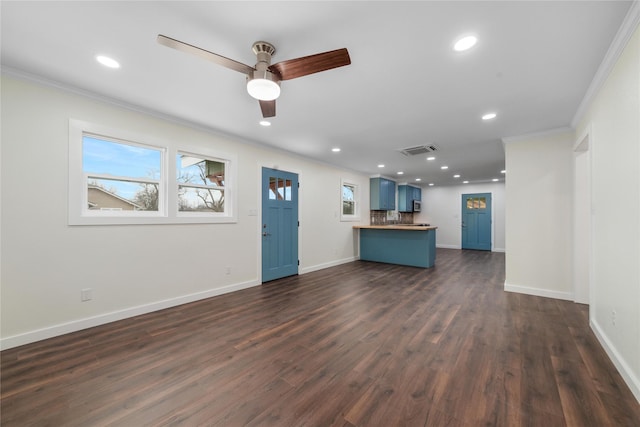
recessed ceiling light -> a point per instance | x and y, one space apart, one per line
489 116
107 62
503 171
335 150
431 184
265 123
418 179
400 173
444 167
456 176
431 158
465 182
465 43
380 165
495 180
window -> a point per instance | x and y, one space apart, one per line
200 183
477 203
279 189
349 202
120 178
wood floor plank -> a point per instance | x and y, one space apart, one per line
357 345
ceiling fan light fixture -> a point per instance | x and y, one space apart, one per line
263 86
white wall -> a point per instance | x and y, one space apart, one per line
612 123
442 207
133 269
539 213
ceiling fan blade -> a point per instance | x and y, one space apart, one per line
214 57
298 67
268 108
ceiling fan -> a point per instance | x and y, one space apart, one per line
263 80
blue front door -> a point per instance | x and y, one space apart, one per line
476 221
279 224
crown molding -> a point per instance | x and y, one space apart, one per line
537 135
622 37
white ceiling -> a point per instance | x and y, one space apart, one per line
405 87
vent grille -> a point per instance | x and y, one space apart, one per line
421 149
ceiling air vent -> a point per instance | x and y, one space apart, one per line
421 149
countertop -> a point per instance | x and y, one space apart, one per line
398 227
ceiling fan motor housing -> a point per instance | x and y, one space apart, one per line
262 84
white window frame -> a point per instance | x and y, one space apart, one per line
356 200
167 213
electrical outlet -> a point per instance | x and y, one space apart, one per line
613 317
86 294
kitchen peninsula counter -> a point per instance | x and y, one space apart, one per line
404 244
410 227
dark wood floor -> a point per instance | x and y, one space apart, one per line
362 344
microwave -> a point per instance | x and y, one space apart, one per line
417 205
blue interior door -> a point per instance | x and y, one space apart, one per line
279 224
476 221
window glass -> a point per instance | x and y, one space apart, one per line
120 176
287 190
348 200
470 203
349 210
106 157
280 189
200 183
482 202
273 182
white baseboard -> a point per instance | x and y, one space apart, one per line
460 247
538 292
101 319
621 365
327 265
448 246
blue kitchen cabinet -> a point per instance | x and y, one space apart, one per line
414 246
382 194
406 195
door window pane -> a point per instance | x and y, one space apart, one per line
469 203
483 202
280 191
273 182
287 190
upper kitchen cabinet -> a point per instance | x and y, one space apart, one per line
382 194
406 195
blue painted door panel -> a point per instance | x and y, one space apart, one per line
476 221
279 224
